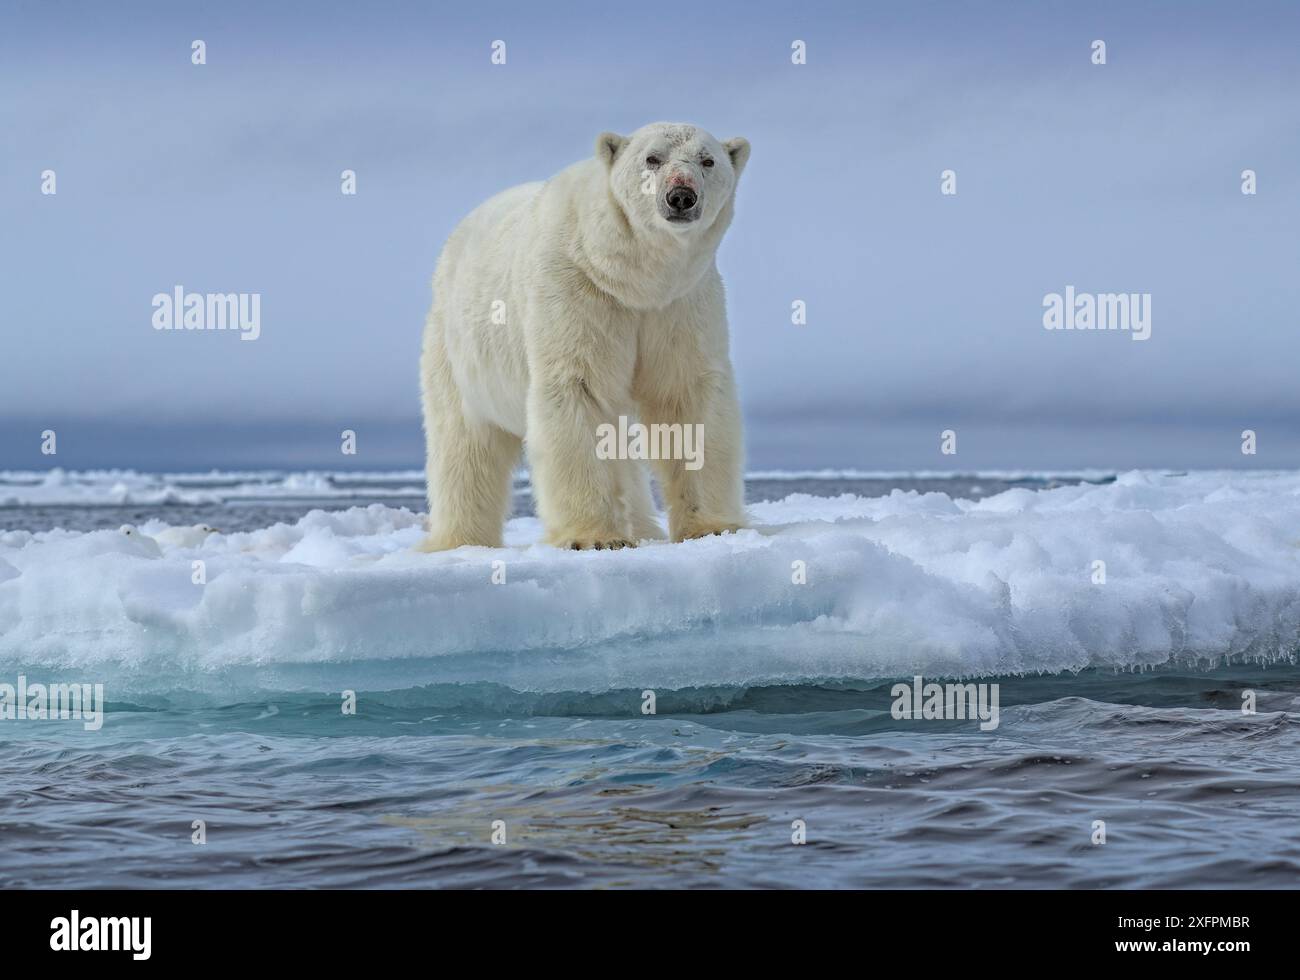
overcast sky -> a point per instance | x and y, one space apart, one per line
924 310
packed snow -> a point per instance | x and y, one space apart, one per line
1196 567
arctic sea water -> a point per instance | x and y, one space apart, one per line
501 739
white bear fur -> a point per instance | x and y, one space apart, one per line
609 309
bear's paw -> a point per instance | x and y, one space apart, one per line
705 529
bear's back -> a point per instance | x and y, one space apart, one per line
496 219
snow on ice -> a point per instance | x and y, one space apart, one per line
1196 567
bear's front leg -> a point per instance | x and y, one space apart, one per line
684 382
705 488
580 369
578 495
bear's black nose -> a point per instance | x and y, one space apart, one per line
681 198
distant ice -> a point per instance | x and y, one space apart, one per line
91 488
1092 475
1197 567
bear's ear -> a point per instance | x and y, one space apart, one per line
608 147
738 150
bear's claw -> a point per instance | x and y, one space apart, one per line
613 545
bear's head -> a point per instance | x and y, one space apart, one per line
671 177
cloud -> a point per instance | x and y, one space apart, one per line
1121 177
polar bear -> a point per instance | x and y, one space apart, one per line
564 308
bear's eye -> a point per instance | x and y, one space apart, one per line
706 162
652 162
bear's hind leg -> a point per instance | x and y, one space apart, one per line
468 474
468 464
